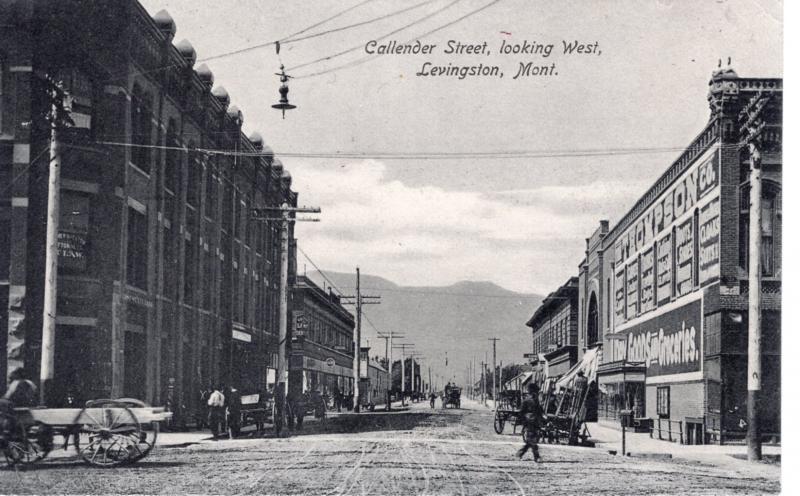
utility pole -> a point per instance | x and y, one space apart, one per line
359 298
494 370
752 127
388 355
403 348
59 116
286 216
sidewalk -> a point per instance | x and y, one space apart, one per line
167 439
640 444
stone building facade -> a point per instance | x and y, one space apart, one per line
664 291
166 283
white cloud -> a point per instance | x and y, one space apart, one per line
528 240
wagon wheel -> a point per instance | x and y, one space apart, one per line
28 445
108 435
499 422
147 439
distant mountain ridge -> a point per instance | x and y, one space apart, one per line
457 319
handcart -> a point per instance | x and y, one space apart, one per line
508 409
105 433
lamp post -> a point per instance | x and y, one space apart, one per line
624 415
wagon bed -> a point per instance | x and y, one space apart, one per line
106 433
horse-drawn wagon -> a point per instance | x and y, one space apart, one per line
105 433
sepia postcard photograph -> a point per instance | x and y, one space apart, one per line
382 247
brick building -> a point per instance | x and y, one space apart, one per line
165 282
554 330
664 291
322 355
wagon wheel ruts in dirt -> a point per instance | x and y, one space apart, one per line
149 430
108 434
499 422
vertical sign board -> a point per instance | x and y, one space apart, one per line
646 282
668 343
709 242
619 295
633 288
684 257
664 269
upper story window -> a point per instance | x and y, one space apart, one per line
173 157
194 172
2 76
141 127
770 221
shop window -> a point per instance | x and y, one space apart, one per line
662 402
137 249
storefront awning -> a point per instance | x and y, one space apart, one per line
518 381
588 365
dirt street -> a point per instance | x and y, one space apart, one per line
421 451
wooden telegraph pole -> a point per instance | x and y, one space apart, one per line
388 355
752 127
494 370
286 216
59 116
359 302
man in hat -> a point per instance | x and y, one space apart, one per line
532 415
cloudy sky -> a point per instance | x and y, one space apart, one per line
596 135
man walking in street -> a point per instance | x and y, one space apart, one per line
216 411
532 415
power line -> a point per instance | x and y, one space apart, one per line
361 23
359 46
511 154
448 293
320 271
338 14
371 57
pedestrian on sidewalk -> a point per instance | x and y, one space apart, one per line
216 411
532 415
433 399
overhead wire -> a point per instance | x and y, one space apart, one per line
371 57
361 45
427 155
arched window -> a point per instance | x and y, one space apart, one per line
591 322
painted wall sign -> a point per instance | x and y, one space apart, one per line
632 282
646 283
684 257
709 242
619 294
695 184
72 250
664 268
669 343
